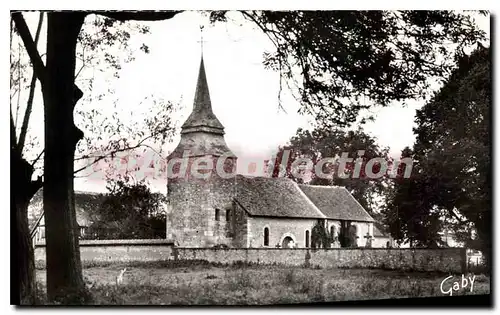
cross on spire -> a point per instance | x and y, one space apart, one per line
201 39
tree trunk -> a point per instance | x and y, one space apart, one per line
25 256
23 189
65 283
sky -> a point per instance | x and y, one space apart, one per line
244 95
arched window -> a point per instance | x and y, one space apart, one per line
217 214
307 238
228 214
266 236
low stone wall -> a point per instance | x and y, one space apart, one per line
265 256
116 251
442 260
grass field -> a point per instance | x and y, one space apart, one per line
208 284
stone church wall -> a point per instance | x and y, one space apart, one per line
221 198
240 231
191 218
295 228
187 219
278 229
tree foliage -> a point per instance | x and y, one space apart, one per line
129 211
347 235
453 141
408 214
320 238
451 186
338 58
325 142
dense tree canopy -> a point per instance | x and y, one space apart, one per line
452 183
409 215
129 211
453 142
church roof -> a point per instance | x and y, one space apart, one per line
201 144
336 203
379 230
202 118
274 197
84 201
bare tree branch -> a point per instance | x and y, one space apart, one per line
18 82
139 16
37 158
99 158
29 106
24 32
11 31
79 71
13 141
272 36
36 60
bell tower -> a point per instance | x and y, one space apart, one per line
201 179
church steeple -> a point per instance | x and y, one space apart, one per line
202 118
194 192
202 134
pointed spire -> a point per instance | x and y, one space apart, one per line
202 134
202 119
202 94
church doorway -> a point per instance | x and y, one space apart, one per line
287 242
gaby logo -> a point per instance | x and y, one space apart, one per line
448 286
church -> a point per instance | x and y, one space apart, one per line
236 211
242 211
